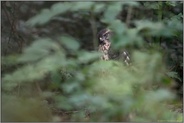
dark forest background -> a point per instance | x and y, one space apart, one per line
51 71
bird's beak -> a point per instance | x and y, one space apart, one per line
108 31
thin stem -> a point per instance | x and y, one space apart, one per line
160 11
129 15
94 30
160 16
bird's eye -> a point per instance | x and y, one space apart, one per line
101 38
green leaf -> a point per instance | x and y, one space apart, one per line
9 60
112 11
60 8
99 7
38 50
159 95
71 87
174 75
46 14
85 57
70 43
171 3
81 6
131 3
118 27
62 103
149 28
32 72
40 19
151 6
79 99
149 66
122 36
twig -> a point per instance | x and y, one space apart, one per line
12 24
94 30
171 68
129 15
14 27
9 20
69 112
18 89
38 87
6 13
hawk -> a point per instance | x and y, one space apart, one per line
104 43
104 47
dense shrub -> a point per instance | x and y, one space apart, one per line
59 77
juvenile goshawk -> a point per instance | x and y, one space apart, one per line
104 47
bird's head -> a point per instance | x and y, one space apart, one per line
104 36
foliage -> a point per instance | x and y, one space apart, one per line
60 81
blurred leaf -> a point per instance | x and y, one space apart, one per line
173 75
71 87
131 3
46 14
149 66
112 12
70 43
79 100
9 60
159 95
153 5
29 73
85 57
38 50
171 3
82 6
118 27
60 8
174 24
99 7
62 103
150 28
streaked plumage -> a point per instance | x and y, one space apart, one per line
104 47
